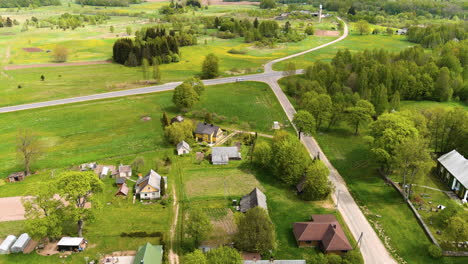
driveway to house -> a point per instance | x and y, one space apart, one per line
371 246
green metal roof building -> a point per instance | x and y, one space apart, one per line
149 254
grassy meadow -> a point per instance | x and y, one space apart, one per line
354 42
94 43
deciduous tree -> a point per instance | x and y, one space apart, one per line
304 122
363 27
256 232
44 213
316 184
28 148
60 53
360 114
210 68
224 255
185 96
198 226
78 189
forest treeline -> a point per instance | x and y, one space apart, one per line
382 77
66 21
435 35
363 8
107 2
153 44
26 3
266 31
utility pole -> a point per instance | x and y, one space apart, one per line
320 14
359 240
337 198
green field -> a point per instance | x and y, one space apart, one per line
82 132
94 43
354 42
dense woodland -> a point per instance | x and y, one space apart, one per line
154 44
267 31
362 87
367 8
107 2
26 3
66 21
435 35
382 77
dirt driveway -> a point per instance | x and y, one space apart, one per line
12 209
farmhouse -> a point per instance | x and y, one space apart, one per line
208 133
183 148
125 171
123 190
222 155
177 119
149 187
324 232
71 244
253 199
452 168
149 254
16 177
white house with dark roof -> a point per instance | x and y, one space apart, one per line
149 187
222 155
253 199
452 168
183 148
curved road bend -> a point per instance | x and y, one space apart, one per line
371 246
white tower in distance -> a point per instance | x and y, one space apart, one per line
320 13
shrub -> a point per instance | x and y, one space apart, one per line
434 251
236 51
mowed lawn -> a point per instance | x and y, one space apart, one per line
354 42
76 133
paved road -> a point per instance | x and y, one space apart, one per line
372 247
269 65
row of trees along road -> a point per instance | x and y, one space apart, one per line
290 163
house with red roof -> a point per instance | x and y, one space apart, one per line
324 232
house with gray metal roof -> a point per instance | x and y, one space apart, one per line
452 168
208 133
253 199
149 187
222 155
